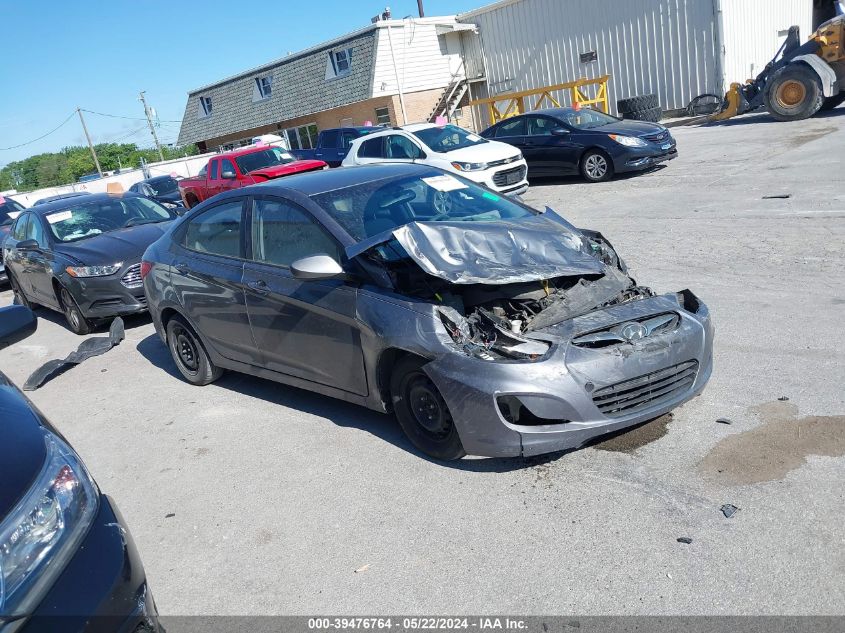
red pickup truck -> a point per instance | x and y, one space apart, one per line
240 168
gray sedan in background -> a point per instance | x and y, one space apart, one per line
488 327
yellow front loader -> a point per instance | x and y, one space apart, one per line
801 79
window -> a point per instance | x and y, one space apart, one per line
214 165
339 63
19 230
226 165
283 233
401 147
35 231
383 116
540 126
371 148
512 128
263 88
217 231
205 107
329 138
269 157
347 137
302 137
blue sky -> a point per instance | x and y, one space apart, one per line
98 55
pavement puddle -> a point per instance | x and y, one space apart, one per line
779 445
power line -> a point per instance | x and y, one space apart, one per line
70 116
131 118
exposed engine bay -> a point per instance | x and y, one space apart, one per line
495 321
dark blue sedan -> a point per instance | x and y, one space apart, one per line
565 141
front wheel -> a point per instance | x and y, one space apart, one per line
596 166
190 356
794 93
422 412
73 315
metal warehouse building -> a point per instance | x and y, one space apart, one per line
677 49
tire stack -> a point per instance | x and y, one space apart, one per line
640 108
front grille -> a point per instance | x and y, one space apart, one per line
504 161
509 176
658 137
646 391
621 333
132 277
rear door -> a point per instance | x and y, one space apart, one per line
327 147
346 138
371 151
305 329
207 276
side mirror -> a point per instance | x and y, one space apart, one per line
316 267
16 323
560 131
228 175
27 245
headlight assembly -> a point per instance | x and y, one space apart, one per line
93 271
469 166
628 141
43 531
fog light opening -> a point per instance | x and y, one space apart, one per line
514 412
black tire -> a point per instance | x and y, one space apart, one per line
422 412
640 102
596 166
73 315
831 102
652 115
794 93
19 297
190 356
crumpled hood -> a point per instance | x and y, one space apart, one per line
287 169
501 252
124 245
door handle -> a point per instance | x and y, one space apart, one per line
259 287
182 268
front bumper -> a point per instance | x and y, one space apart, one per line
559 387
105 297
639 158
102 589
499 178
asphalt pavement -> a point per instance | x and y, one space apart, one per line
249 497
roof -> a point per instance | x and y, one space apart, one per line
487 8
316 182
450 19
58 205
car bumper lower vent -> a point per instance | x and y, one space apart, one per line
646 391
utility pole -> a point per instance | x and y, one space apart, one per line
420 7
90 144
152 127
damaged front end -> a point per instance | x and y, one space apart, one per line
496 288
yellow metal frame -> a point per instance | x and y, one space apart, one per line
515 101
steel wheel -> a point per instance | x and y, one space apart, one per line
188 353
427 406
790 93
75 319
185 350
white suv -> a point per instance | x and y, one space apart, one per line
497 165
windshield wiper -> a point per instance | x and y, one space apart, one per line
139 221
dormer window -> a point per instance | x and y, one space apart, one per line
205 107
262 88
339 63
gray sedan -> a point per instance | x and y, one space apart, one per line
488 327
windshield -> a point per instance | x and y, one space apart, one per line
9 210
586 119
269 157
447 138
95 218
163 186
373 207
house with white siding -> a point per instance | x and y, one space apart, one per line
390 72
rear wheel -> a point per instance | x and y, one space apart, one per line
190 356
75 319
794 93
831 102
422 412
20 298
596 166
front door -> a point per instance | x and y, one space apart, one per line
39 263
549 154
207 276
305 329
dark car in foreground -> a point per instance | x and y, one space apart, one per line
9 210
82 256
67 560
162 189
566 141
489 327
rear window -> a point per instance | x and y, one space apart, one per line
371 148
9 210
